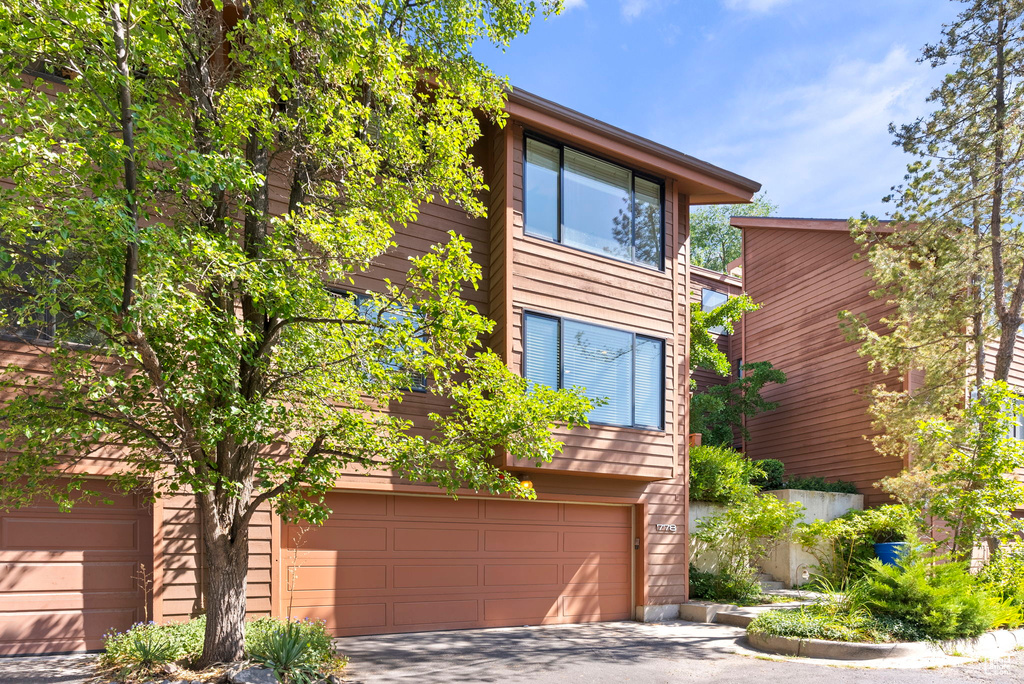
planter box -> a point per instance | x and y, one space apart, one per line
789 563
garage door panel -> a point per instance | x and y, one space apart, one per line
359 505
436 540
467 563
434 576
338 538
520 575
516 510
430 613
68 578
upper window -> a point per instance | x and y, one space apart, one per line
622 368
586 202
711 300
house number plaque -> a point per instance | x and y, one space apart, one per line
664 527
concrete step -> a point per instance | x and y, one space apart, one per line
771 585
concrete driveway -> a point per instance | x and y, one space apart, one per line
618 653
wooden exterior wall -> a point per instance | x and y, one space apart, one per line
701 279
803 279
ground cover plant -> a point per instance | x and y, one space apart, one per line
299 652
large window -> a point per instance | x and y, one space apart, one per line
622 368
588 203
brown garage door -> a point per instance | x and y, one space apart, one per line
404 564
67 578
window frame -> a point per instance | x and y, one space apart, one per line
718 329
633 389
423 387
560 203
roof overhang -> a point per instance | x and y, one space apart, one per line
829 225
702 182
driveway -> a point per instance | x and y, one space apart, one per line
618 653
602 653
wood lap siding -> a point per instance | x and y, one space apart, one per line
803 279
570 283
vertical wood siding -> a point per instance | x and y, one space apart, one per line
803 279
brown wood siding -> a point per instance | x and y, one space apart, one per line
728 344
562 281
803 279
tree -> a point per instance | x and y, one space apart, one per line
180 202
713 242
954 264
716 412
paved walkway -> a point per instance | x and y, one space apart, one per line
603 653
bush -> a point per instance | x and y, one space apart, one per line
724 587
845 545
774 474
943 601
721 475
820 484
295 650
1004 576
814 622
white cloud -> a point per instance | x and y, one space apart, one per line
631 9
823 148
758 6
573 4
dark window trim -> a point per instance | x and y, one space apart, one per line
660 182
424 388
632 394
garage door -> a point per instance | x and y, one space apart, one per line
67 578
386 563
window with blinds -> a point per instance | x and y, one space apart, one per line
585 202
623 370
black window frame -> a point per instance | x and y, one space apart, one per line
527 313
421 385
634 174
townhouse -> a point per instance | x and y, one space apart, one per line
586 269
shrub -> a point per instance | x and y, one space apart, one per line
724 587
844 546
820 484
721 475
814 622
774 474
296 651
145 645
944 601
1004 575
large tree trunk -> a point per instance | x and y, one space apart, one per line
227 562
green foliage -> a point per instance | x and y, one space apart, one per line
817 483
724 587
721 475
713 242
733 541
704 351
176 640
1004 575
814 622
968 459
300 651
138 216
844 546
719 411
297 652
774 474
944 601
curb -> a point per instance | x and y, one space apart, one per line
998 642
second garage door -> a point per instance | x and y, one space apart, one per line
388 563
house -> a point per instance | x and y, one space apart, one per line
711 289
607 537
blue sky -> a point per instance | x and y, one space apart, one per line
796 94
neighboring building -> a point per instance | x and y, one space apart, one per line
803 273
607 538
710 289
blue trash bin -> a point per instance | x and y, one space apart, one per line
891 553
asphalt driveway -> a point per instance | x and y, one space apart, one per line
603 653
617 653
